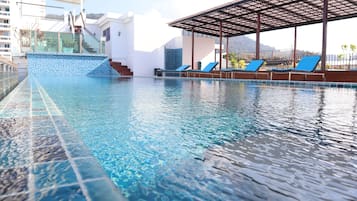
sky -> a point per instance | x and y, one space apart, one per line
308 37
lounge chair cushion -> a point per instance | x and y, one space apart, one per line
254 65
210 67
306 64
207 69
182 68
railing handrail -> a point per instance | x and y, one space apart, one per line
91 34
8 62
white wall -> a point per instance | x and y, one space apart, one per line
204 50
119 41
151 34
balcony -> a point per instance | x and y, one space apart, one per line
4 14
5 27
4 3
5 39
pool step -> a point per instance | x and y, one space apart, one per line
122 69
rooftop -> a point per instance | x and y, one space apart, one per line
240 17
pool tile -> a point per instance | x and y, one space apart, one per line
18 197
71 138
13 180
42 141
78 150
44 131
46 154
89 168
103 190
13 127
51 174
73 193
14 153
64 129
39 124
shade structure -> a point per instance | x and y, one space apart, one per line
240 17
71 1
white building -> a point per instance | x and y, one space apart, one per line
138 41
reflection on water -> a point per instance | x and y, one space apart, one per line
212 140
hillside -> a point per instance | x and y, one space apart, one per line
240 44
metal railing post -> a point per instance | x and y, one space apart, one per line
80 43
58 42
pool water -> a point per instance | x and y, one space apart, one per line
172 139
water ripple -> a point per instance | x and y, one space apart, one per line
211 140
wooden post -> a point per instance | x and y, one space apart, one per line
295 37
257 44
220 45
193 49
324 36
227 53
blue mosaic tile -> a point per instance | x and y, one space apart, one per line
41 141
13 180
78 150
65 65
13 127
51 174
18 197
46 154
89 168
14 153
68 193
103 190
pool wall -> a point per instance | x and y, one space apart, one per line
43 64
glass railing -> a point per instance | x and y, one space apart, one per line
90 43
10 76
56 42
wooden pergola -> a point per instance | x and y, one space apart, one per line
241 17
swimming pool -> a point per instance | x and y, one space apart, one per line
173 139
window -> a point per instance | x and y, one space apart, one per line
106 34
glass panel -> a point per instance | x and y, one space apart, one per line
38 41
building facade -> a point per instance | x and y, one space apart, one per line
5 29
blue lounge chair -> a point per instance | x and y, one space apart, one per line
206 69
253 66
176 71
182 68
306 66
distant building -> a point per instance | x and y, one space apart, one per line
5 29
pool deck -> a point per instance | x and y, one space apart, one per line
329 76
42 157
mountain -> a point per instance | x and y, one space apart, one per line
243 44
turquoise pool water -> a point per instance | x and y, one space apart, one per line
215 140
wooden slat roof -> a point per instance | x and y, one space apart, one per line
240 17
